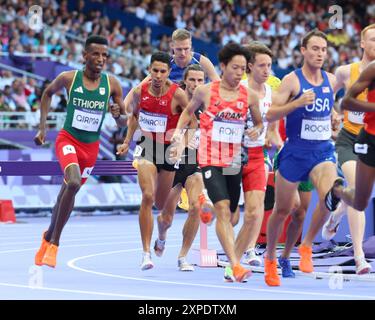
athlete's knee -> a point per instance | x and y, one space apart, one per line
194 208
281 212
298 216
73 185
222 206
296 205
148 197
251 214
166 220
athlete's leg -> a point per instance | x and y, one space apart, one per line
147 178
72 181
194 187
253 215
322 176
356 218
163 187
283 206
165 218
296 224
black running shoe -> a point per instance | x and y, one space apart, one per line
331 201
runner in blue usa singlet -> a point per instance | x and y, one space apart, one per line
309 132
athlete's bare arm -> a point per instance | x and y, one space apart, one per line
288 89
253 101
63 80
132 122
273 136
209 68
118 107
342 77
336 118
130 94
349 102
180 101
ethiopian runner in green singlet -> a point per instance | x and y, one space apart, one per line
77 144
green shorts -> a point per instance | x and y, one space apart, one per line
304 186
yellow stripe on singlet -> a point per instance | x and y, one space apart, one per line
350 126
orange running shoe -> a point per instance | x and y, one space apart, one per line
49 258
270 273
205 211
305 263
240 273
42 250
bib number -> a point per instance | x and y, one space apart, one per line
316 129
356 117
87 121
227 131
152 122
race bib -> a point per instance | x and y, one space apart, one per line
356 117
316 129
87 120
152 122
227 131
138 151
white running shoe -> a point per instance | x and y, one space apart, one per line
183 265
146 262
362 266
159 247
331 226
252 259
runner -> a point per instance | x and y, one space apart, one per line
77 144
156 107
353 123
255 170
364 146
306 98
225 105
188 176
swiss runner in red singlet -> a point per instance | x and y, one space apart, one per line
225 105
156 107
364 146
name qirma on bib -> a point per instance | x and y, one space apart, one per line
87 120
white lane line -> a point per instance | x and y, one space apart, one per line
73 240
66 236
78 245
108 294
72 264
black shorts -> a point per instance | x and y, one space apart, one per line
223 184
364 147
186 167
344 146
155 152
184 172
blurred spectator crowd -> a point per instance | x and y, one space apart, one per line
278 24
